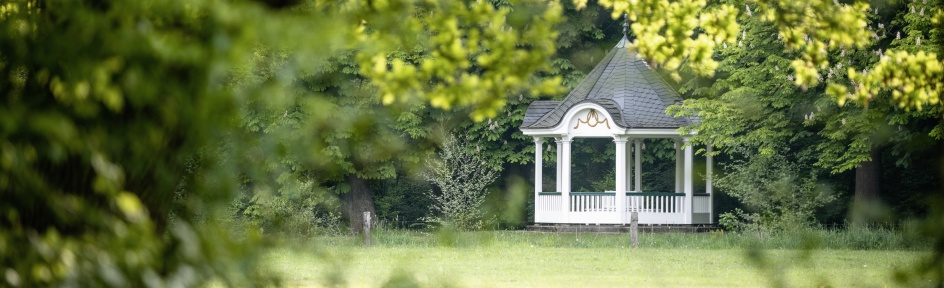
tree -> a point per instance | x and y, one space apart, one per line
750 112
498 137
685 34
874 126
583 39
366 141
114 112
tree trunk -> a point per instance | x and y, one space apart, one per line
356 202
866 206
868 177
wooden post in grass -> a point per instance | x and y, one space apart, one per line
367 229
634 229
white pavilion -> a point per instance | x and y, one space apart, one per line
624 99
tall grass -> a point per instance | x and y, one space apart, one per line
856 238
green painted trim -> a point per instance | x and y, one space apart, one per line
654 194
701 194
614 194
592 193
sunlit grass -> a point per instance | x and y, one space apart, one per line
524 259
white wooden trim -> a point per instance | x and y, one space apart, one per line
538 170
637 147
601 209
709 170
701 204
632 132
629 166
538 164
688 182
653 132
678 166
620 172
559 164
565 172
566 127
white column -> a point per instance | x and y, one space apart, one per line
620 178
538 166
565 174
559 165
688 182
638 153
629 167
538 177
678 166
711 196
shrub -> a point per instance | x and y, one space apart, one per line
780 196
404 203
295 209
461 175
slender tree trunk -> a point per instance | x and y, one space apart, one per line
356 202
867 184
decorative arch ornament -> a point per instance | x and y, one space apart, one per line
595 117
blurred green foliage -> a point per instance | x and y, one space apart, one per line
403 202
666 31
127 127
132 131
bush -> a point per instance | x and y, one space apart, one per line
461 175
404 203
779 195
295 209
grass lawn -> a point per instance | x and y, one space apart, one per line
527 259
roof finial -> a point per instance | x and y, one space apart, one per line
625 24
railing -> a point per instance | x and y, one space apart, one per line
600 207
592 201
549 201
655 202
701 203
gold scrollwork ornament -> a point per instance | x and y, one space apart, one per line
596 120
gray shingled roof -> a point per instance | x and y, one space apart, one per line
538 109
634 94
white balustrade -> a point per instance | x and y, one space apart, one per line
548 203
655 203
592 202
702 204
549 208
600 208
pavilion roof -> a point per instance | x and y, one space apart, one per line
623 84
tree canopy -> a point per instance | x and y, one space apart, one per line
129 128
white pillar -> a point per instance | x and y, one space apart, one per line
678 166
638 152
538 166
565 174
688 182
711 196
559 165
538 178
620 196
629 167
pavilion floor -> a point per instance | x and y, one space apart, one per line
613 228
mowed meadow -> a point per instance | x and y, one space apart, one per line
534 259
